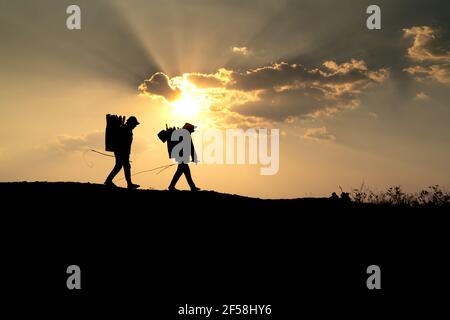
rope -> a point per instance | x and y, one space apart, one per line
105 154
166 167
162 168
90 164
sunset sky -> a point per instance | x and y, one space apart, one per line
351 104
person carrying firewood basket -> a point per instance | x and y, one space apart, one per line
118 138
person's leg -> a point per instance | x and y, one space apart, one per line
115 170
176 176
127 171
187 174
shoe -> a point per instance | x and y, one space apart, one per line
194 189
173 189
133 186
110 184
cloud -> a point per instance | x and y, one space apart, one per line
159 84
278 91
281 77
244 51
216 80
422 96
285 90
425 46
319 134
433 59
438 73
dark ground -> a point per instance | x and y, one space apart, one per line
145 252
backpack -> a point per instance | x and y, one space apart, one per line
165 136
114 124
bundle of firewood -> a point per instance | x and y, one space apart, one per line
113 125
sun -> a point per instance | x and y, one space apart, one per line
191 102
187 106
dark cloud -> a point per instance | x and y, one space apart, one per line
277 74
159 84
293 90
205 80
285 74
280 105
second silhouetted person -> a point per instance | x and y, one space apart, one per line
183 166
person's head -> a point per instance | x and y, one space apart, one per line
189 127
132 122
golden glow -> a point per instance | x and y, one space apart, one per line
187 106
192 101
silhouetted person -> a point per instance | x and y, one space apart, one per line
183 168
122 153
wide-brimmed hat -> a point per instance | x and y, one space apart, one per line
189 127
